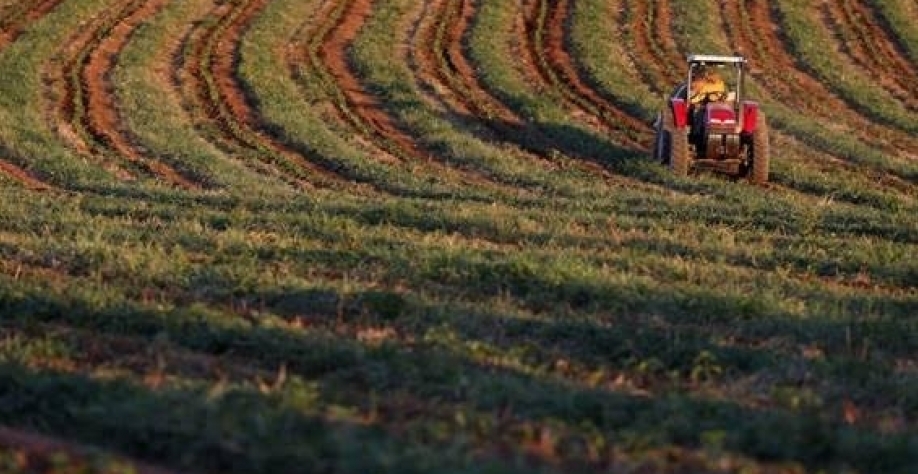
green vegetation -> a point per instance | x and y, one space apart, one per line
545 300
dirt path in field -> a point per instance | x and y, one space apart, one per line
363 108
861 35
33 452
438 59
753 28
303 58
82 104
13 23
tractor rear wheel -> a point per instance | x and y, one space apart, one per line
673 144
679 153
760 151
661 141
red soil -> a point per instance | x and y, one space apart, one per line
623 127
209 77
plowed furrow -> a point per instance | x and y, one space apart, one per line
219 103
369 109
753 29
82 101
441 65
656 64
545 40
866 42
627 130
363 109
103 119
306 59
67 99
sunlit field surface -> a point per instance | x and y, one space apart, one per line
355 236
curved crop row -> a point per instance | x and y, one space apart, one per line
13 21
550 40
221 104
83 98
863 38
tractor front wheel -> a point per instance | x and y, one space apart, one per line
760 152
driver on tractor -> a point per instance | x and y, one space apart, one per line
707 86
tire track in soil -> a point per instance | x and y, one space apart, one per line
369 110
753 28
13 24
440 61
206 77
861 36
36 453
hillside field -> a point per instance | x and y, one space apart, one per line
418 236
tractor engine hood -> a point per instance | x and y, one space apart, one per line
720 118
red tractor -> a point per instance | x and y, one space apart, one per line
707 123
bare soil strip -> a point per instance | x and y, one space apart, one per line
867 42
219 104
103 119
39 453
438 53
439 61
366 108
82 106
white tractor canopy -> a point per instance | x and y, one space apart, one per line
715 59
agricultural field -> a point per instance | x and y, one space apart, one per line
411 236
